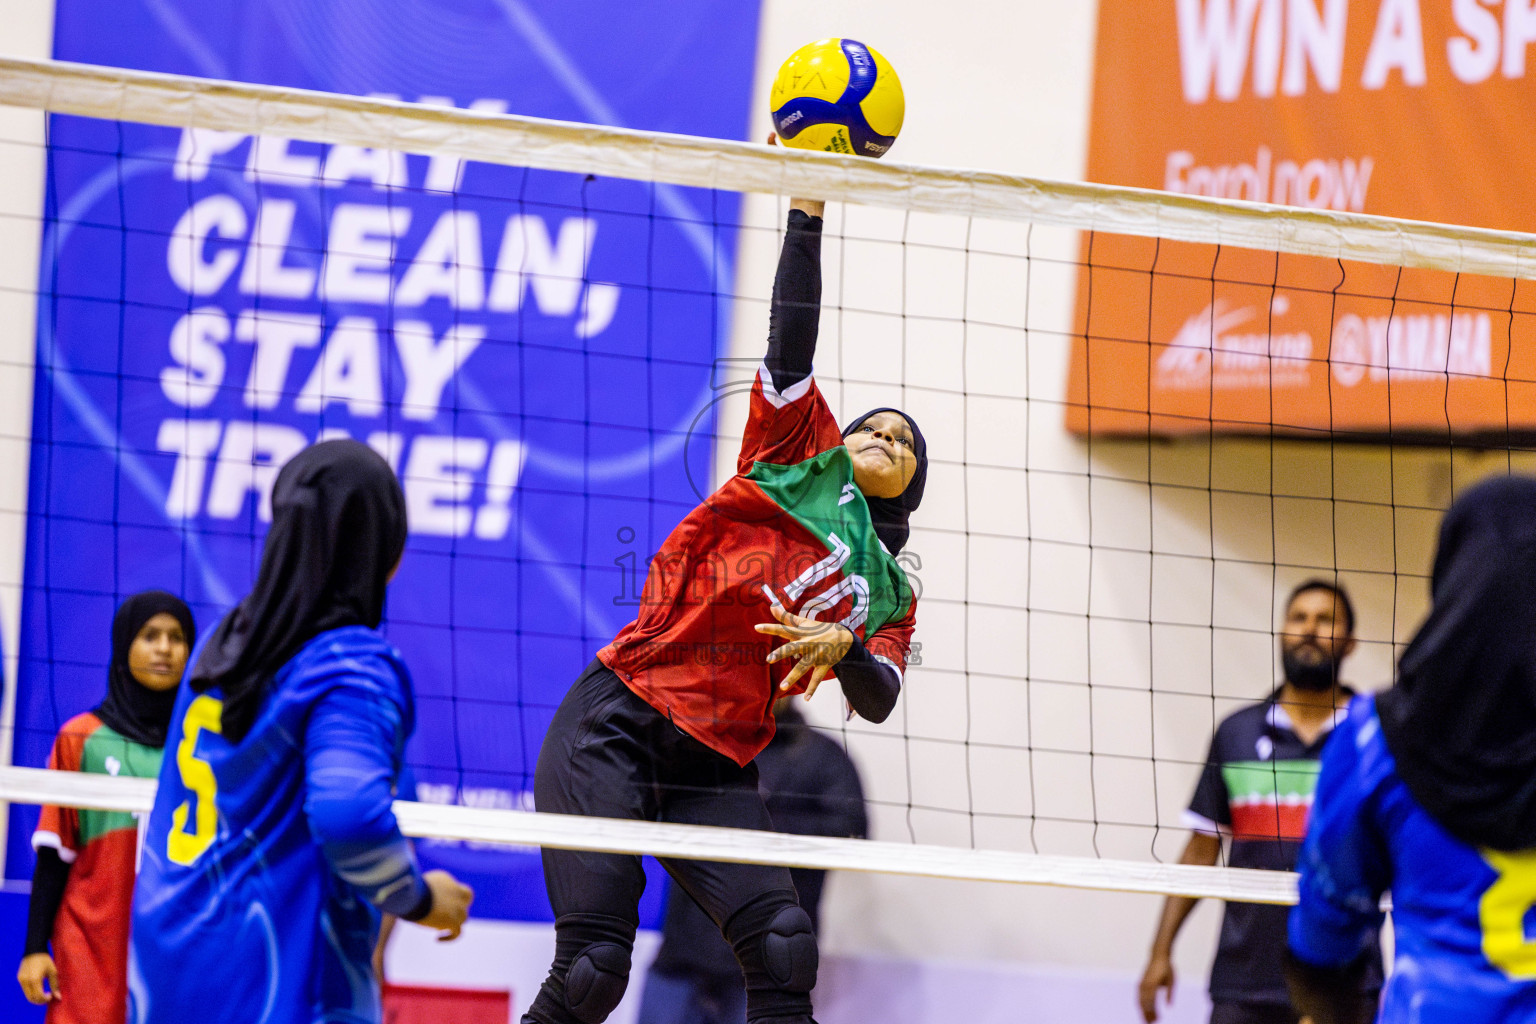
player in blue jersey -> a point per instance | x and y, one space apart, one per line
272 850
1429 790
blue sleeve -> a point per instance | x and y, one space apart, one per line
349 753
1344 863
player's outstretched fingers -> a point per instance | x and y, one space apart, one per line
795 628
801 667
796 625
817 645
821 673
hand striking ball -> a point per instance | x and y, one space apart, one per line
840 96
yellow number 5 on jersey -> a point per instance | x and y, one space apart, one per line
184 847
1503 911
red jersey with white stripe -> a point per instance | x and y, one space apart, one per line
790 527
90 933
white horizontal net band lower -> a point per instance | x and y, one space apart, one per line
699 842
184 101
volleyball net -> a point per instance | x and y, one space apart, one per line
1149 416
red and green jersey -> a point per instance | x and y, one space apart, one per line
1257 786
90 934
1270 799
790 527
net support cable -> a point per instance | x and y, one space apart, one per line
703 842
187 102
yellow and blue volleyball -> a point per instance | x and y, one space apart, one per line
840 96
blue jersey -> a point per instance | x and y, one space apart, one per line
1465 952
266 863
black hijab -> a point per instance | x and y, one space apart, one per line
338 530
891 514
132 709
1461 721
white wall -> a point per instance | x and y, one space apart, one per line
28 26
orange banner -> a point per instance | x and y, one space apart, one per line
1408 108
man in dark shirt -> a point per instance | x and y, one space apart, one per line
1257 789
811 788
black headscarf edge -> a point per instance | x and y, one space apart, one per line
130 708
1461 719
338 530
891 515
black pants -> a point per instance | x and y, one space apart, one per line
1253 1013
610 754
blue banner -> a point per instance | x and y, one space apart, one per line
530 349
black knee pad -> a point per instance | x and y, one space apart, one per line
596 981
789 950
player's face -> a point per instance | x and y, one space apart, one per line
884 455
1316 628
158 654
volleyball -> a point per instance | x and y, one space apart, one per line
840 96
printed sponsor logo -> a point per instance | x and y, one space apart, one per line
1319 183
1411 347
1209 350
1229 48
792 118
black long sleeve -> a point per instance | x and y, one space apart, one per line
795 314
48 879
871 686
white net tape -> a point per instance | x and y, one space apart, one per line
181 101
698 842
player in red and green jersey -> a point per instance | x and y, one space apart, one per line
82 887
784 575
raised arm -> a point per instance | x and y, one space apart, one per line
795 314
